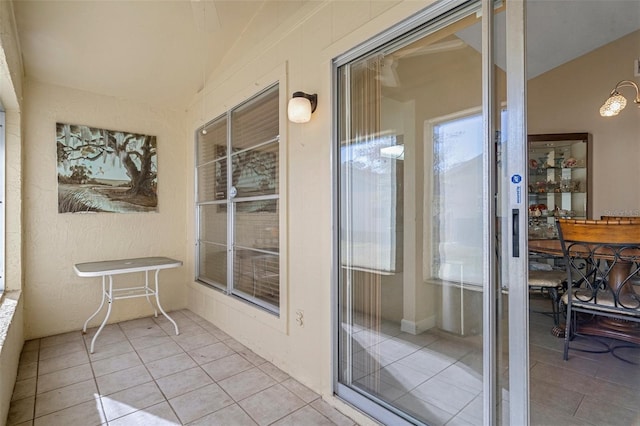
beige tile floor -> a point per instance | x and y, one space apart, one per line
141 373
588 389
437 377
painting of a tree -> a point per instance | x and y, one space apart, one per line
105 171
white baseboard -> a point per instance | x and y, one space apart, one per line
413 327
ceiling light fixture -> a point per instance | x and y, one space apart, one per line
301 105
616 102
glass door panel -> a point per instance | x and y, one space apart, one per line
420 300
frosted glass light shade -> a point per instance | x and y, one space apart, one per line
613 105
299 110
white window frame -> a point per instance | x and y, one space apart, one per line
3 230
231 214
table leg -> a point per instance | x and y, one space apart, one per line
146 290
160 306
84 328
617 276
104 322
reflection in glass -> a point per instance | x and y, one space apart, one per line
257 275
257 225
212 265
411 226
212 181
255 171
213 224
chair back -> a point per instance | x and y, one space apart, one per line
602 259
607 231
631 219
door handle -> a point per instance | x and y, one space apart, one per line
515 226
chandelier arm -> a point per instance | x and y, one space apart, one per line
627 83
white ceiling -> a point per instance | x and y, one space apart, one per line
561 30
152 51
155 50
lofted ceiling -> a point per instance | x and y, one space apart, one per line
558 31
154 51
159 51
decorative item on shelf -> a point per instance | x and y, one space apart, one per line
535 232
543 164
569 163
564 213
550 231
552 186
538 210
616 102
569 185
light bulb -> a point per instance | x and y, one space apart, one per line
299 110
613 105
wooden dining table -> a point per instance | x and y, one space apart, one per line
606 327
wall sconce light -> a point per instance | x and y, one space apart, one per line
616 102
301 105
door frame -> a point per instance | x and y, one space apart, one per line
514 266
517 267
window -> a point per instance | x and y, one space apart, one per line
237 201
374 167
457 198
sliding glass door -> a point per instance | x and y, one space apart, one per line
428 254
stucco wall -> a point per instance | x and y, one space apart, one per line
56 300
568 99
303 47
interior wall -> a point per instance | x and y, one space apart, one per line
304 46
568 99
56 300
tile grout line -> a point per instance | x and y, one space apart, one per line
35 396
153 379
258 363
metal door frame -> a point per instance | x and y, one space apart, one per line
515 260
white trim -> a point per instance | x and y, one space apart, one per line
515 163
3 168
417 327
278 76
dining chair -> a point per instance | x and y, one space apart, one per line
605 289
552 283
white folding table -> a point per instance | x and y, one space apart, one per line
109 268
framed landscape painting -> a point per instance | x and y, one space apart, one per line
103 170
